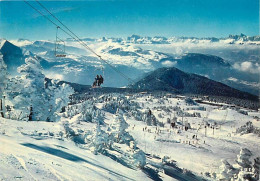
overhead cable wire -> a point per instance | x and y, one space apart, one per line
74 36
45 17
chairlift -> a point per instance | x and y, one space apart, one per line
59 46
99 69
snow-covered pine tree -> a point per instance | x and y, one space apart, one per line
247 128
3 77
98 140
256 167
13 89
139 159
226 171
118 129
98 117
58 97
243 159
244 165
83 108
30 99
68 131
245 175
149 118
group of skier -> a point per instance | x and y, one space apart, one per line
98 81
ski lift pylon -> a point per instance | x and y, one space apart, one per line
59 46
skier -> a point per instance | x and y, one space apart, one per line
101 80
173 124
149 112
96 82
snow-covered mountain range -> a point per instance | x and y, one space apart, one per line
134 56
232 39
137 39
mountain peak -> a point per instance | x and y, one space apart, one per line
174 80
12 55
7 47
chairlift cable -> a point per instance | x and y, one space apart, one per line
66 28
77 38
46 17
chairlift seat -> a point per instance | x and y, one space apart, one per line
60 55
96 87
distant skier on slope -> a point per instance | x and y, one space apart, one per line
149 112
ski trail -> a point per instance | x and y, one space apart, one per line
58 175
19 167
22 162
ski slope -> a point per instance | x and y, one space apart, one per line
27 156
41 151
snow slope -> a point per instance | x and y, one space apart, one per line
34 151
42 151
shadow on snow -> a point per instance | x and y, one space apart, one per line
70 157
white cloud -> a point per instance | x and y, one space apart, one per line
232 79
248 67
169 63
55 76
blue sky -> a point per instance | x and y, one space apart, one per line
121 18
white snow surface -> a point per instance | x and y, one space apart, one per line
39 151
45 157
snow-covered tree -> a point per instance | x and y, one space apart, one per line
3 78
226 171
31 99
84 109
86 112
111 106
247 128
242 170
68 131
190 101
149 118
256 167
243 159
244 165
98 141
57 97
139 159
245 175
26 93
118 129
98 117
